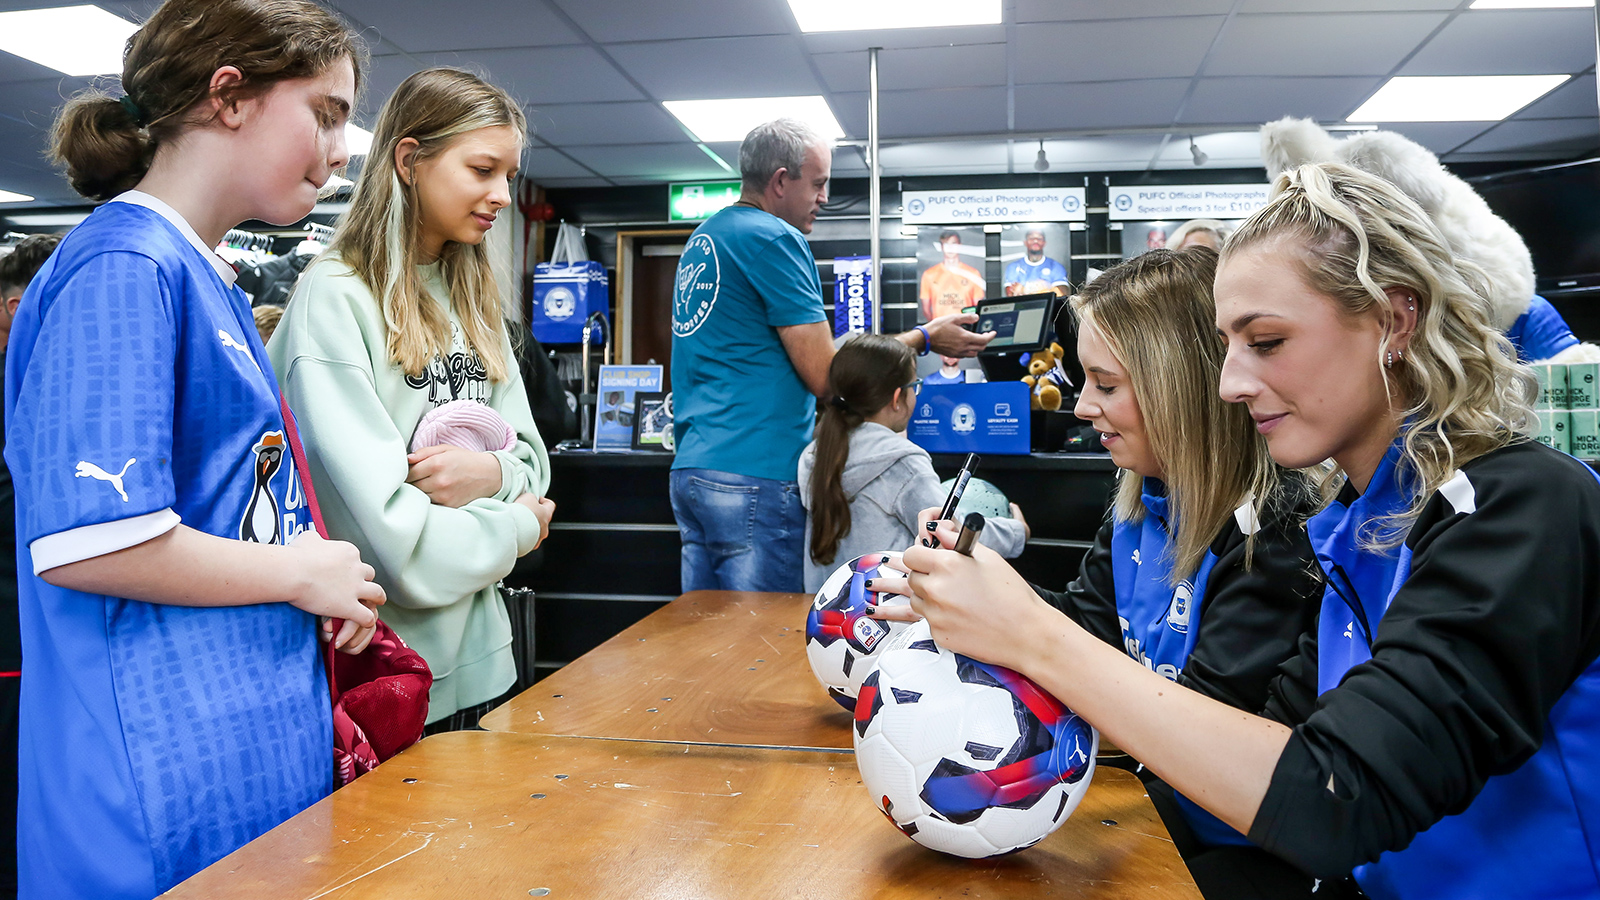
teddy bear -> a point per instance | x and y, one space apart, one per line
1046 377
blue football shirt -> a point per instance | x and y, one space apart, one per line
1034 278
155 739
739 406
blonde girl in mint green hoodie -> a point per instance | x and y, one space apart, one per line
400 316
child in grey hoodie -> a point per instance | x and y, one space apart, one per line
861 481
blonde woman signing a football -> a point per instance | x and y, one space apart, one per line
1437 734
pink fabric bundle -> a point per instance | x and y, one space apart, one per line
467 424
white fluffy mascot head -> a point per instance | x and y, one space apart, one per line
1475 233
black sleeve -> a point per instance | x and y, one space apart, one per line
1254 616
1496 620
547 400
1091 598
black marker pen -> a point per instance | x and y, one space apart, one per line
970 529
957 488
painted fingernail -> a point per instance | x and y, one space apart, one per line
867 583
871 610
883 560
926 542
932 525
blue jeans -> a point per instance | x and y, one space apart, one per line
739 533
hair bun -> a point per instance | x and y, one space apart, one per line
101 145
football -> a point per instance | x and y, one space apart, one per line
979 497
842 643
967 758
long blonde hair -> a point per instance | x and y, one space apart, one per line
1157 316
1458 385
379 236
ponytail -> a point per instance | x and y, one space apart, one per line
106 143
862 378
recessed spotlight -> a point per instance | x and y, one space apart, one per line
357 139
1454 98
75 40
859 15
12 197
713 121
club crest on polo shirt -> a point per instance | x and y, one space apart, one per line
694 291
90 470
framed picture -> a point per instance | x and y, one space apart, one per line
652 421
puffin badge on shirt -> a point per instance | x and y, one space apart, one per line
277 511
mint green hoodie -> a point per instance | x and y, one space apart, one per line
357 410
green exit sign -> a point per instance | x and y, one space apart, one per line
698 200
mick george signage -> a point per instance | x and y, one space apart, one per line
1186 201
1062 204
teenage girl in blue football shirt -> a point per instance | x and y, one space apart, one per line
173 707
1439 733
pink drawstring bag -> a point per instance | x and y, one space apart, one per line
467 424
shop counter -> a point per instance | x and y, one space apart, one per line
480 815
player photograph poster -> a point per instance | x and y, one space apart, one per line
1033 258
950 259
1140 237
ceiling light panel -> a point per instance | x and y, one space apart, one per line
731 120
1454 98
75 40
1531 4
861 15
11 197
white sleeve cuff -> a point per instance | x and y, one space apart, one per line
89 541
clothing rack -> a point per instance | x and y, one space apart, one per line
246 240
323 233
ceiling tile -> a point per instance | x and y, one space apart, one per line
928 112
1134 48
1510 42
1440 137
603 123
1057 11
943 159
1316 6
417 26
1239 100
608 21
660 162
1104 104
1319 44
533 76
717 68
963 65
1569 136
1571 100
541 163
1121 152
903 38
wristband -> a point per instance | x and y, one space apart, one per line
927 341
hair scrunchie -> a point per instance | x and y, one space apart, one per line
838 403
133 110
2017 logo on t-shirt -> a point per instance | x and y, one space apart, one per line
695 293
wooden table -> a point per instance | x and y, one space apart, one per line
712 667
482 815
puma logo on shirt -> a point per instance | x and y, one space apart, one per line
90 470
228 341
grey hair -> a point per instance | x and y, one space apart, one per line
779 144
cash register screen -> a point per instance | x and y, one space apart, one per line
1019 323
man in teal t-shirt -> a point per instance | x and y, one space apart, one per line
751 347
